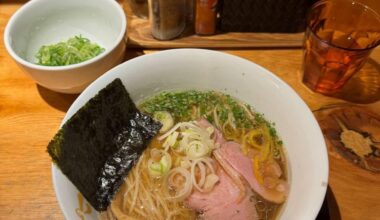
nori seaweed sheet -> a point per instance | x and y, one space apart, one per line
99 144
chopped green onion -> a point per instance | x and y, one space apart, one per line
75 50
272 131
181 106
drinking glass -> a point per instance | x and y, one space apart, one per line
339 37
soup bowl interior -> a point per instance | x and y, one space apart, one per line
183 69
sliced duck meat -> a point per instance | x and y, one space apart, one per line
232 153
245 210
221 203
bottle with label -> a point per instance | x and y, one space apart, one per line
205 17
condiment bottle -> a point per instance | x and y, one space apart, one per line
205 17
167 18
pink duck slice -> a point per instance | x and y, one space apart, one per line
231 152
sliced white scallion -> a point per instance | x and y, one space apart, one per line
210 130
160 163
197 149
185 190
205 182
170 141
166 120
202 175
210 182
191 139
185 163
173 129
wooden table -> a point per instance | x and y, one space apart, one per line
30 115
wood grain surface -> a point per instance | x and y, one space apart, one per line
30 115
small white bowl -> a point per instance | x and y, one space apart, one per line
249 82
44 22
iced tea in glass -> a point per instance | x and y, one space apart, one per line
339 37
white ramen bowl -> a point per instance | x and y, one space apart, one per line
209 70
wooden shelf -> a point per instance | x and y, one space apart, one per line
139 36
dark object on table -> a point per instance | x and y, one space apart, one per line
324 212
101 142
275 16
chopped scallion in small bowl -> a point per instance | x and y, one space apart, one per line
75 50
